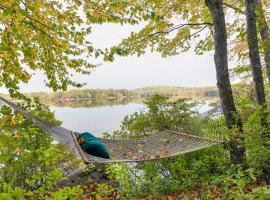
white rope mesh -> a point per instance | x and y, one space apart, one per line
161 145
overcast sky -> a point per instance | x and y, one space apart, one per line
130 72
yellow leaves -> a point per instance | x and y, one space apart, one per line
166 140
110 150
120 147
6 57
172 198
140 151
99 169
162 26
130 153
19 116
17 151
3 149
165 197
165 153
17 136
99 14
27 76
39 37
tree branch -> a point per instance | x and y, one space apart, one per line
180 26
38 29
234 8
169 10
33 19
195 33
103 10
205 24
2 6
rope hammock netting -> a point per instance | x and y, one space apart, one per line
161 145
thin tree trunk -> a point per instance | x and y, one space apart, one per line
237 150
265 36
254 55
256 66
264 32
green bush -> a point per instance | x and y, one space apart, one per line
205 169
29 158
175 174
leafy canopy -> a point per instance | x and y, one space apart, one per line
169 27
52 37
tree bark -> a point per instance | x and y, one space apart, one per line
254 55
264 32
237 150
265 36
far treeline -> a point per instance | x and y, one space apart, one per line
124 95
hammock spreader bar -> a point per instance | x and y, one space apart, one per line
161 145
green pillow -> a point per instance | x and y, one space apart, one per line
93 146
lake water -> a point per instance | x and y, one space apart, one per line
95 119
102 118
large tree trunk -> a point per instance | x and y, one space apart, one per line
254 52
237 150
265 36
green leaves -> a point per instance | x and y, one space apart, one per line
46 36
28 158
10 194
71 193
168 28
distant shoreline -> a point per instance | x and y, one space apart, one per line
114 96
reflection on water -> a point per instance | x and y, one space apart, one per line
95 119
90 102
100 119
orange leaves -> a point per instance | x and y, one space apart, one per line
13 122
10 119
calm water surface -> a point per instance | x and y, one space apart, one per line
95 119
102 118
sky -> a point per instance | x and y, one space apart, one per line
186 69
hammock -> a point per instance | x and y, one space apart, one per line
161 145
